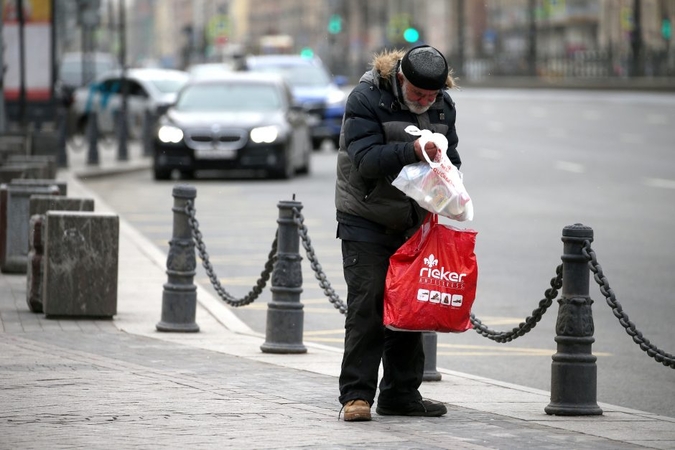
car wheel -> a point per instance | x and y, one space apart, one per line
306 162
78 136
162 174
285 170
316 144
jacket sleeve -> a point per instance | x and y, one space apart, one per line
365 141
451 134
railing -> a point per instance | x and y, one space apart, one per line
574 372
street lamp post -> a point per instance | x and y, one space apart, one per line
122 137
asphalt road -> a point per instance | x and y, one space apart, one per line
534 162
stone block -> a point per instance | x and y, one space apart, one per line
14 143
62 185
44 142
39 205
31 170
47 162
81 255
35 269
14 172
14 229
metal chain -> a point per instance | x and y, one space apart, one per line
316 267
224 295
659 355
530 322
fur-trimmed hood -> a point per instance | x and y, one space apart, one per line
386 63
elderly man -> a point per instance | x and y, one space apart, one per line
375 219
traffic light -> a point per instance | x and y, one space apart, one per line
411 35
666 29
307 52
335 24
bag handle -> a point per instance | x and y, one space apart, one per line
427 135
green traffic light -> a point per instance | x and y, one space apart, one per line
335 24
666 29
411 35
306 52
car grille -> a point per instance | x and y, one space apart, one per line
221 139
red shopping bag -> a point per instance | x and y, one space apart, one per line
431 282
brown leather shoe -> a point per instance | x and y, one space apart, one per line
357 411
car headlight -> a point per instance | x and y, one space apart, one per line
264 134
336 98
168 133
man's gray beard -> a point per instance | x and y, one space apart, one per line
415 108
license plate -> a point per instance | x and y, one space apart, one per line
215 154
313 120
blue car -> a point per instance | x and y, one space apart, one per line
319 93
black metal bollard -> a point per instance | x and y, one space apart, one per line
430 341
122 135
62 150
92 138
179 298
284 313
148 129
573 371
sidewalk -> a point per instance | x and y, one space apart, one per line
120 384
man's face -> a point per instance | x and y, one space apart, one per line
416 99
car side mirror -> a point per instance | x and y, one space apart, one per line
163 108
340 80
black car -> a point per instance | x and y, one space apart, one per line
233 121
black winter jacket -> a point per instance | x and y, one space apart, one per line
374 148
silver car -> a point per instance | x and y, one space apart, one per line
149 90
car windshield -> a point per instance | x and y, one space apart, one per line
168 85
298 75
235 97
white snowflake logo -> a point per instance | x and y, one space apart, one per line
431 261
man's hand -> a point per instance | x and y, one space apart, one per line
430 149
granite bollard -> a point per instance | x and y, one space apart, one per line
35 255
39 205
81 257
14 227
62 185
48 162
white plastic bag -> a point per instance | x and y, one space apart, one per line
437 185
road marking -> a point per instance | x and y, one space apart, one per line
340 331
484 350
493 321
568 166
660 183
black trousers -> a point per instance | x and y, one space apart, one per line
367 341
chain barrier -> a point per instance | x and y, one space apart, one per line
530 322
206 263
320 275
523 328
659 355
